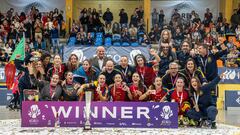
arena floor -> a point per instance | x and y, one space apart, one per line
228 124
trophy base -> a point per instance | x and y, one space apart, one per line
87 127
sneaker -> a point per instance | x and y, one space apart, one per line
213 125
200 123
192 122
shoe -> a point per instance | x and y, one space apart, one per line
185 121
192 122
213 125
200 123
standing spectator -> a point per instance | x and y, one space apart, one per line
154 17
208 15
161 18
108 17
38 28
134 19
140 12
84 21
55 39
123 18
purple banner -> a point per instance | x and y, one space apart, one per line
103 114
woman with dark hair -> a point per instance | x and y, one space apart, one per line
145 68
87 71
156 92
119 91
45 58
73 63
137 87
70 88
99 87
191 71
49 91
180 95
58 68
203 105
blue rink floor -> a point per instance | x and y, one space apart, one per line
228 123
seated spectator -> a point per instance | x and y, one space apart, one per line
89 39
108 31
133 33
125 35
80 39
3 57
119 91
232 58
152 36
116 28
39 44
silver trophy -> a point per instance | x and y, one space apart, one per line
88 96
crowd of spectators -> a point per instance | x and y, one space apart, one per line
183 69
41 30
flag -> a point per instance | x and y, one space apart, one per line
19 50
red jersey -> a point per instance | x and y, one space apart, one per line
147 73
179 97
133 88
118 94
158 96
104 91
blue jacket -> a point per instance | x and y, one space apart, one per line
205 98
210 69
94 72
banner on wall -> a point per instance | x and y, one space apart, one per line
232 75
3 85
113 52
103 114
186 6
25 5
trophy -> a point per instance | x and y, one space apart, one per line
88 95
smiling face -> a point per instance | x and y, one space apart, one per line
109 66
38 65
73 60
57 60
124 62
117 79
185 47
86 66
101 80
135 78
165 47
194 83
179 83
54 80
140 62
69 77
158 82
190 66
